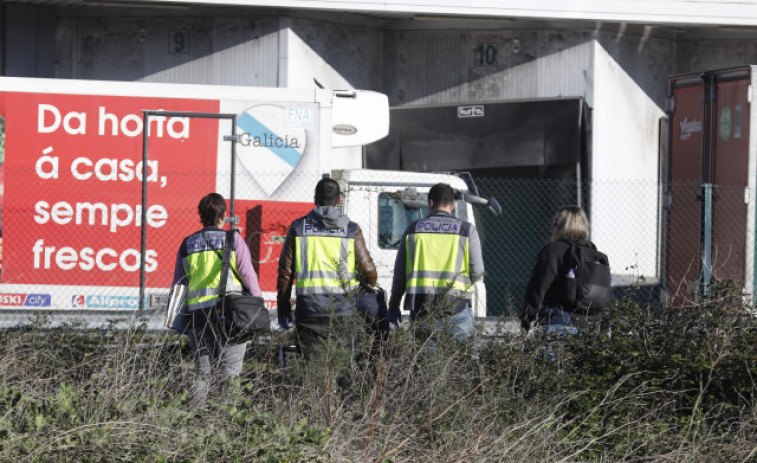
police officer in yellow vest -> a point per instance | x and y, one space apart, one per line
198 265
438 261
324 255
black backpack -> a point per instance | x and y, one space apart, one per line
587 286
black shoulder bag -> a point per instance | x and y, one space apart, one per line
241 316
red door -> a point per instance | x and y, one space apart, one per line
687 138
730 169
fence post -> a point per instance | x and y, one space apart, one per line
146 114
232 212
143 227
707 238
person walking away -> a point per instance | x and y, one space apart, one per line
544 296
198 264
324 257
438 261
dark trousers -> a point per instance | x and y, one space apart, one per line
313 332
316 334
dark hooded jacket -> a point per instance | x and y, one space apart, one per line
329 218
544 288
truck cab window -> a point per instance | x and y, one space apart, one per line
398 210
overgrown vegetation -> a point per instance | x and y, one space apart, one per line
675 385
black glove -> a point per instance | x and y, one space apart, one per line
394 316
285 321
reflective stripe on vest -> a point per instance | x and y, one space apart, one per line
437 258
325 259
203 268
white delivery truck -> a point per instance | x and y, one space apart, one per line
81 233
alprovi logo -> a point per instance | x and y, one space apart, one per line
689 127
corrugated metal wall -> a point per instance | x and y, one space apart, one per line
206 51
442 67
273 51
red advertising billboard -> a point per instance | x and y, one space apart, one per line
72 186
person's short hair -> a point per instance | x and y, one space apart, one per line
570 222
441 194
327 192
212 208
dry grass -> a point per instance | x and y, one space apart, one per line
668 388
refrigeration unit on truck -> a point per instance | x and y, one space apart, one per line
73 231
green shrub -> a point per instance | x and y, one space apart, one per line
675 384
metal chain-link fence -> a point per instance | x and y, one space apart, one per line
667 243
75 255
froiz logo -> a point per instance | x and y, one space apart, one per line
687 128
78 300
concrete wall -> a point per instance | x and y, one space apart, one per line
625 169
706 55
29 40
630 86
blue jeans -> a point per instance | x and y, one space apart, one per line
459 326
556 320
557 324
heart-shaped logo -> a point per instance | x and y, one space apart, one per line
272 141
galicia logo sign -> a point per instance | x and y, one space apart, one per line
273 140
689 127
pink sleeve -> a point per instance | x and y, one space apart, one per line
244 265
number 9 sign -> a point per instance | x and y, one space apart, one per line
178 42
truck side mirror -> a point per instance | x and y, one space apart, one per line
493 205
472 195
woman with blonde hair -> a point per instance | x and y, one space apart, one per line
544 293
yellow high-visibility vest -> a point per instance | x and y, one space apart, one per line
324 259
437 258
202 265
